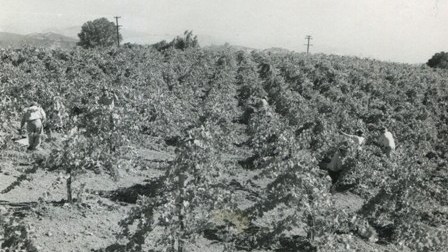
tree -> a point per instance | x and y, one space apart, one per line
98 33
189 40
439 60
181 43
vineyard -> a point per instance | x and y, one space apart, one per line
194 160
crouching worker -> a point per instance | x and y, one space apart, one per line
34 117
335 166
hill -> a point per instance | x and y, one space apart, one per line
234 48
39 40
216 150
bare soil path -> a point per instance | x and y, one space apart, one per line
37 196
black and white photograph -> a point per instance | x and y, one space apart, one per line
223 125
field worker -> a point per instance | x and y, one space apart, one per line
387 141
108 99
264 104
34 116
335 165
58 114
358 140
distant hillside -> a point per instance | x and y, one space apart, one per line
227 46
275 50
71 31
41 40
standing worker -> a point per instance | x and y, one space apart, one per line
107 101
58 114
34 116
387 141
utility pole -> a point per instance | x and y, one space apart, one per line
308 38
118 28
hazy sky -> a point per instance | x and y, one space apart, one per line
397 30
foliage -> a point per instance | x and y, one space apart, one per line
246 173
180 43
184 211
439 60
98 33
14 234
79 154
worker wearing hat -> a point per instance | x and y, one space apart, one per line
34 117
108 99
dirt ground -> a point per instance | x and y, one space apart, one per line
37 196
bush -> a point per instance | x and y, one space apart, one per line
180 43
439 60
98 33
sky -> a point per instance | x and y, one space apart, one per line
408 31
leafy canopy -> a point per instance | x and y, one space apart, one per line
181 43
439 60
98 33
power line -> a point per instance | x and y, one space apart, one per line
308 38
118 28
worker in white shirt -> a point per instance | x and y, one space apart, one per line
264 104
387 141
34 118
264 107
